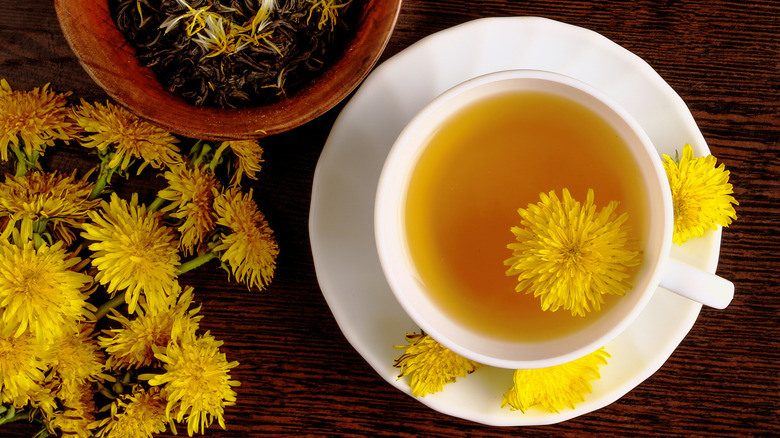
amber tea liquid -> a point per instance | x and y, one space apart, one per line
485 162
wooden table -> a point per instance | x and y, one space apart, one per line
301 377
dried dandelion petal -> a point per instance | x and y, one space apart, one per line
569 254
235 54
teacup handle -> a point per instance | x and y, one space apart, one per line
703 287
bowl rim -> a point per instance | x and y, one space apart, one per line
107 56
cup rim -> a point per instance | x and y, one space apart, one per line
399 270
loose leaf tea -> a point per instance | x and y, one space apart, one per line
233 53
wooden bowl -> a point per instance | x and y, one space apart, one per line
110 60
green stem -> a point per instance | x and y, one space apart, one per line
19 415
103 178
156 204
21 161
196 262
204 149
113 303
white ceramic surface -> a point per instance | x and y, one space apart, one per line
413 294
345 182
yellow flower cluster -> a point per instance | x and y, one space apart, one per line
570 254
72 254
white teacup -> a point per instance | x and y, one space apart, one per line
656 268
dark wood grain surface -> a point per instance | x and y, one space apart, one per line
299 375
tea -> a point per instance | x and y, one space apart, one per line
487 161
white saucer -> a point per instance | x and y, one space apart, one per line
345 180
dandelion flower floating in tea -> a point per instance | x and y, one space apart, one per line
701 194
555 388
569 254
430 364
231 53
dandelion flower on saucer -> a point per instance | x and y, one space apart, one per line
192 194
196 382
77 359
23 361
140 414
430 364
250 248
42 201
39 290
555 388
133 251
249 155
701 194
32 120
116 132
570 255
132 344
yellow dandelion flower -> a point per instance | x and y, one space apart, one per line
250 249
41 201
430 364
555 388
23 360
196 382
116 132
192 194
77 416
328 10
140 414
569 254
39 291
701 194
32 120
133 251
131 346
249 155
77 359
